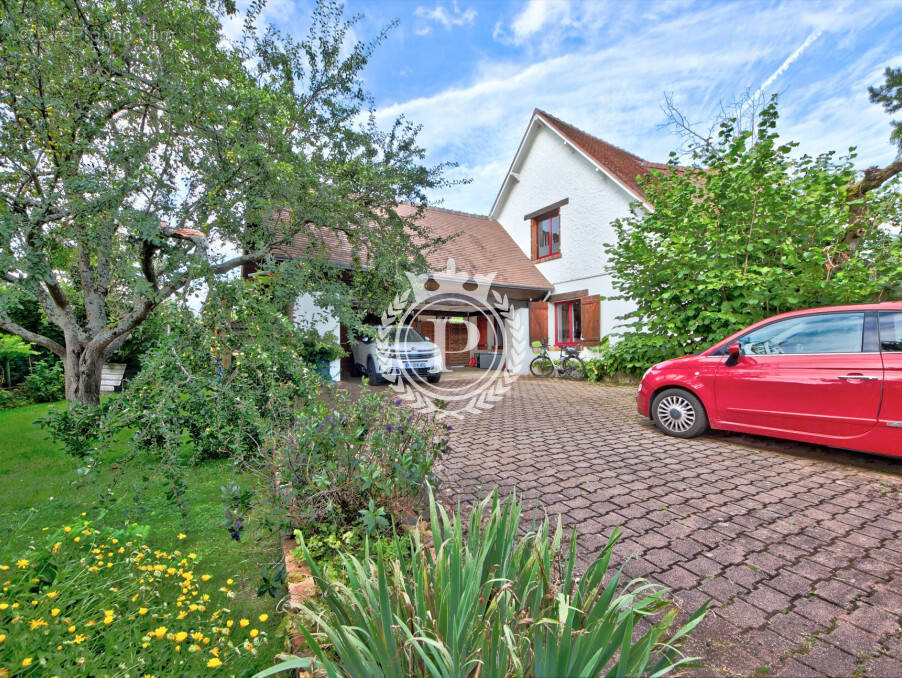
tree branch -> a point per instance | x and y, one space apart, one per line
8 325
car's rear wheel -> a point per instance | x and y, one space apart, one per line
679 413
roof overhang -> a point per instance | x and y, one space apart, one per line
512 176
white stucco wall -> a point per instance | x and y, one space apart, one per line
550 170
308 314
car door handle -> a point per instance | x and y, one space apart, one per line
864 377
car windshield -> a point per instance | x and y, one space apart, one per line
403 334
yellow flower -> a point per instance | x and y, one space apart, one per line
71 629
192 556
79 639
213 663
264 617
22 563
254 633
215 651
205 577
180 636
67 529
2 637
53 594
243 623
27 661
77 539
230 581
142 610
3 606
229 623
55 612
159 632
37 623
182 535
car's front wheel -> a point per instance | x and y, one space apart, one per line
679 413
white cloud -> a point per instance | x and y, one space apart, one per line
614 85
535 16
441 15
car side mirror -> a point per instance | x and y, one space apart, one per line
366 340
734 351
428 338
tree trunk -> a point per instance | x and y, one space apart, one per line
83 371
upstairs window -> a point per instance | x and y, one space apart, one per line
547 235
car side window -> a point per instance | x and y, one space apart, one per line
807 334
890 331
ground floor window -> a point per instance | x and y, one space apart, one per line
567 322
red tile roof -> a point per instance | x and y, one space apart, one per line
480 246
622 164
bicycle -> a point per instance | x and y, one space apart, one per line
569 367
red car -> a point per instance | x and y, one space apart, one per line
831 376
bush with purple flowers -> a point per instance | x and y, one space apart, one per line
347 461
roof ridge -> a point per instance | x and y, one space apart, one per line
599 139
460 212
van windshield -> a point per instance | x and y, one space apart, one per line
403 334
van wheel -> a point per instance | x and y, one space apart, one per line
434 378
374 377
679 413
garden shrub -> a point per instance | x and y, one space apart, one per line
630 356
491 602
346 459
101 602
46 383
10 398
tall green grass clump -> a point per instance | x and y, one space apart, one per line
486 601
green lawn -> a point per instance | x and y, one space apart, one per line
41 489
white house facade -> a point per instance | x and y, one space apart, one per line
543 243
558 201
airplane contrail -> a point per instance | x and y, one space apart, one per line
786 64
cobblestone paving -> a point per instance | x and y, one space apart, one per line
799 546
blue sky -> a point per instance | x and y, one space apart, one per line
472 71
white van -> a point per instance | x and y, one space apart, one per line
404 352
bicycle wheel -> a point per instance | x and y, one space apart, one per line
574 368
541 366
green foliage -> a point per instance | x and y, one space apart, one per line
46 383
91 601
219 382
78 428
747 231
12 398
347 461
889 94
248 142
12 347
489 601
630 356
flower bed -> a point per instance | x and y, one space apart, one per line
102 602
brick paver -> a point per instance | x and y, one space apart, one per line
799 546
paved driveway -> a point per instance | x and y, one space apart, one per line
799 546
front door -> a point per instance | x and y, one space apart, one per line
806 374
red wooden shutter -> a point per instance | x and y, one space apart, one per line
590 319
538 321
483 328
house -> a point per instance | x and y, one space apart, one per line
543 241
